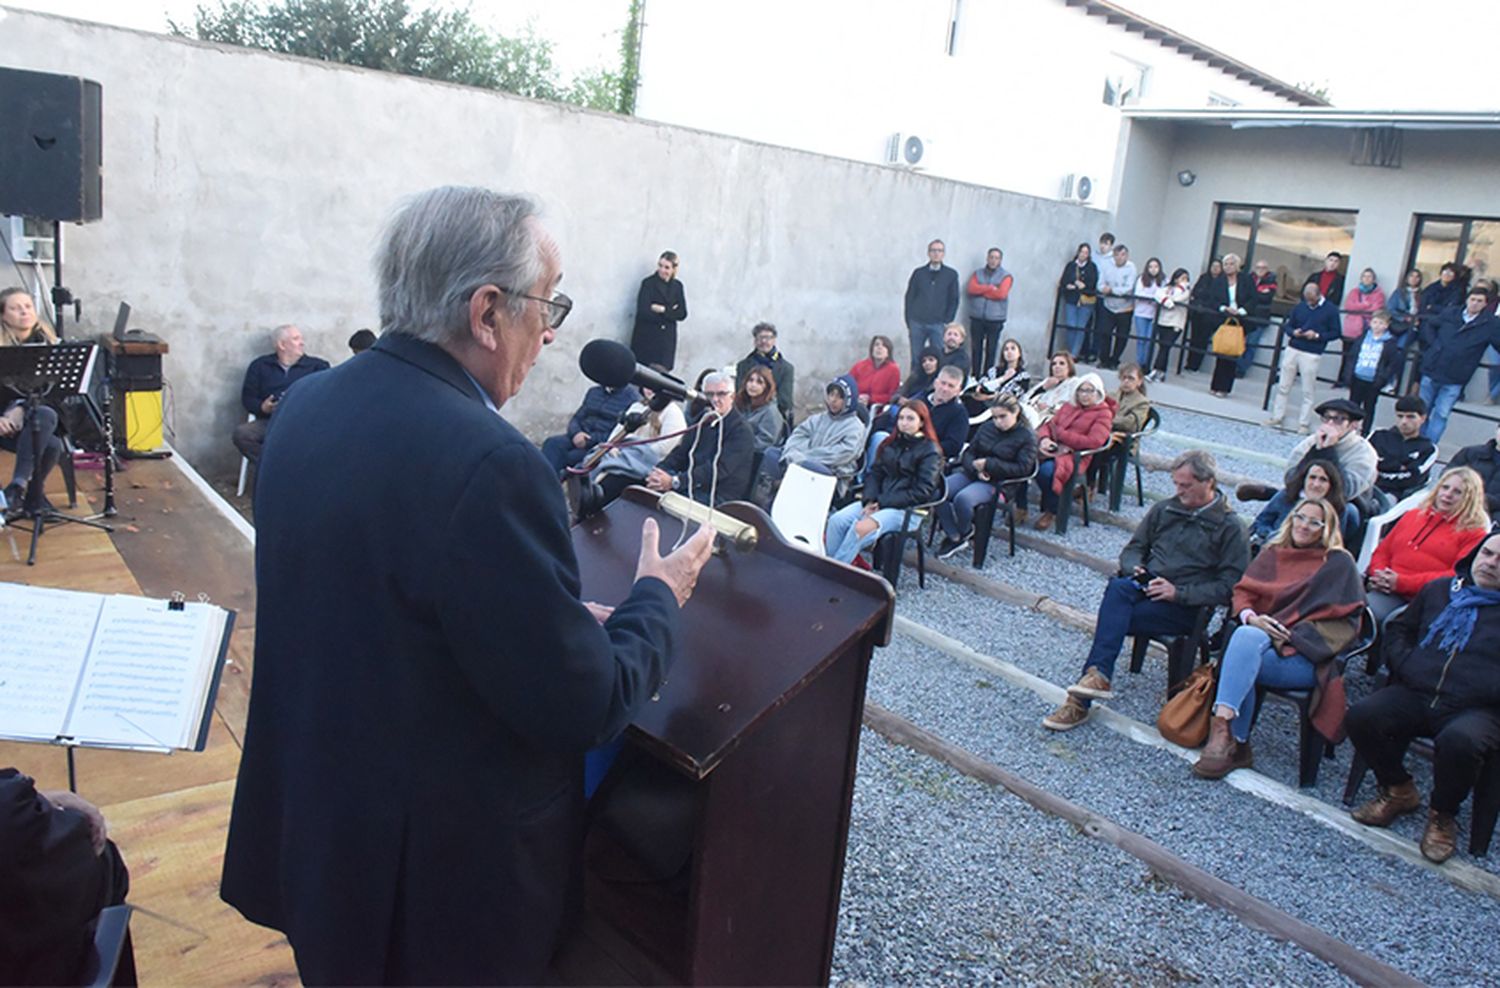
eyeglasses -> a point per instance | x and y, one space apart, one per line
1334 418
1309 522
1086 389
560 303
718 394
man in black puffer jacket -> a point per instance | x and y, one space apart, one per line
1444 656
1484 460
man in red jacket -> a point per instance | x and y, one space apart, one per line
989 304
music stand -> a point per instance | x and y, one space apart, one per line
35 372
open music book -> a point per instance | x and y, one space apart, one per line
108 670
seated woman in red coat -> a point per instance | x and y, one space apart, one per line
878 377
1082 423
1427 541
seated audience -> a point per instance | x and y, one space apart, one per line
756 401
1081 424
1053 391
1404 456
1188 552
722 439
920 380
955 348
1314 479
1132 408
694 408
58 869
949 419
634 459
1003 449
1298 605
908 470
361 341
21 326
1445 685
828 442
767 355
1374 361
1338 438
266 381
877 378
1428 541
1009 377
592 423
1484 460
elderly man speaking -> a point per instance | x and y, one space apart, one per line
427 679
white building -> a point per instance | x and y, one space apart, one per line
1024 95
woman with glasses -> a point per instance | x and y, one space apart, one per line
1080 424
711 464
908 470
1427 542
659 306
1298 605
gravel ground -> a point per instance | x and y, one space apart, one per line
950 881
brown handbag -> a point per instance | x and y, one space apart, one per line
1229 339
1184 717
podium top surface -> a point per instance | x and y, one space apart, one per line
760 626
143 346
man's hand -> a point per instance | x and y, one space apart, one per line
659 480
601 612
680 570
269 405
1325 436
658 308
11 421
581 440
980 464
1161 589
64 800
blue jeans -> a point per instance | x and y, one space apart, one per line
560 452
876 438
921 334
1141 327
842 543
1440 399
956 514
1044 474
1076 321
1126 610
1250 658
1253 333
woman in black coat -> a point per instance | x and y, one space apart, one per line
659 307
1201 319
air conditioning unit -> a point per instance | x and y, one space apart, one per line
906 150
1078 188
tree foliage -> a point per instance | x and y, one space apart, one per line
391 36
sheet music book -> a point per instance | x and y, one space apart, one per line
108 670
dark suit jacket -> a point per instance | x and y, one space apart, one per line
426 682
1244 294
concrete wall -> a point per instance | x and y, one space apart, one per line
245 190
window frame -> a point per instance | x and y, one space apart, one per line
1462 251
1256 209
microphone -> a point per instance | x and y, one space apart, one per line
614 366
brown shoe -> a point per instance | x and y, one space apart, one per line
1066 717
1044 521
1388 804
1093 685
1440 839
1217 759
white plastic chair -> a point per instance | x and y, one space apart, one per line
1375 529
800 510
239 490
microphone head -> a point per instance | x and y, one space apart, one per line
607 362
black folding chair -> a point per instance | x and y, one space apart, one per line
1128 454
1182 650
1065 503
892 545
1012 492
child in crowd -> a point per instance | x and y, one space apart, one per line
1150 289
1377 359
1171 320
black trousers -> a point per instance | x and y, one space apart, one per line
984 343
1122 324
1201 326
1166 337
1364 394
1223 379
1383 725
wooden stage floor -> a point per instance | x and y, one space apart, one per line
168 813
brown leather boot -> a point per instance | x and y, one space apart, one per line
1440 839
1388 804
1217 759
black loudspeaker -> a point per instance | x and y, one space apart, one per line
52 152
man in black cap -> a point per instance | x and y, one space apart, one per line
1405 456
1337 439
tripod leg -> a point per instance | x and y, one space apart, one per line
38 522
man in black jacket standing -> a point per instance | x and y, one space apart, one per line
1444 654
931 303
410 798
1453 346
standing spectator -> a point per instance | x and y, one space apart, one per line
1375 360
660 305
1171 320
1080 424
989 302
1103 320
1203 320
1116 286
955 351
712 464
1428 541
1004 449
1404 303
266 381
1312 325
1484 460
908 471
878 377
1079 282
1441 652
1451 349
931 302
1263 280
592 423
1150 290
1232 294
1362 302
1446 293
1330 280
756 401
1188 552
766 354
1404 455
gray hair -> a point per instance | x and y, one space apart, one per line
717 377
1231 257
282 332
444 244
1200 461
953 372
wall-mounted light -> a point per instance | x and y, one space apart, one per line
1186 178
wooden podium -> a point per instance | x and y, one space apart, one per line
759 724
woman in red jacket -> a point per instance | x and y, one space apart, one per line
877 376
1082 423
1428 541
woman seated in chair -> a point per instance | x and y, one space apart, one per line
20 326
631 463
1312 478
1003 449
1132 408
1427 541
878 376
1081 424
1298 605
919 380
756 401
1009 377
908 471
1053 391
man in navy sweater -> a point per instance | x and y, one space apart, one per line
931 302
266 380
1452 347
590 425
1313 324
